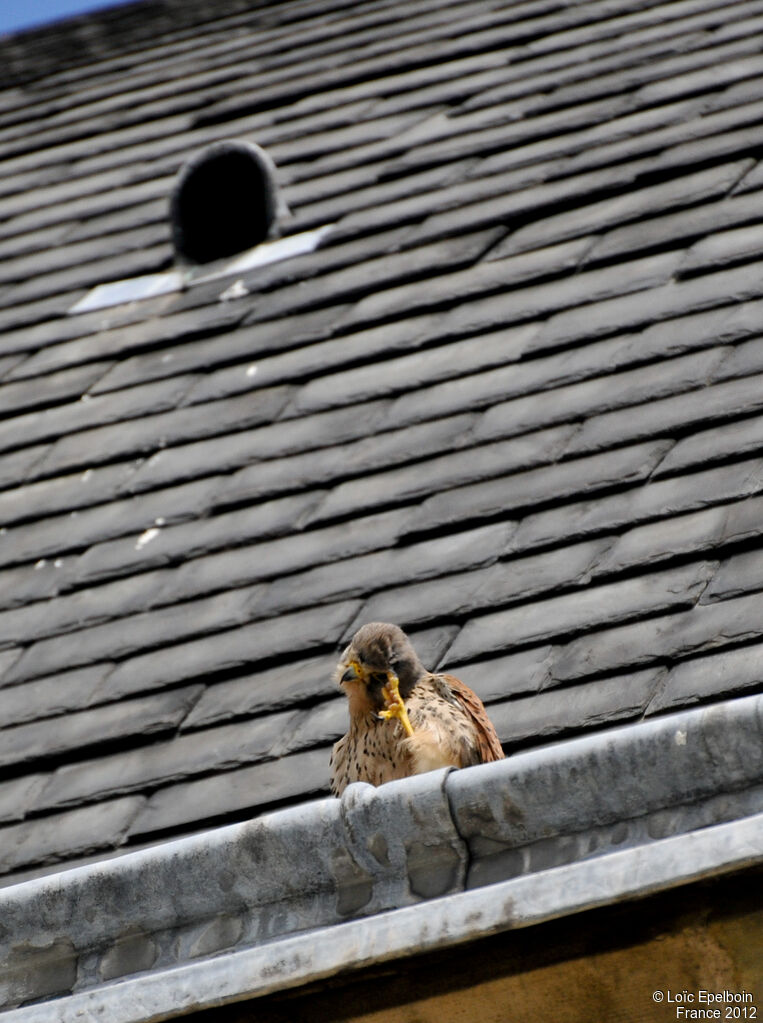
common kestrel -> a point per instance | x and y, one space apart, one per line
404 720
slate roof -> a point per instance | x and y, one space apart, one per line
513 402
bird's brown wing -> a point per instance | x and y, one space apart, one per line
487 740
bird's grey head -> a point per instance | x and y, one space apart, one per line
375 650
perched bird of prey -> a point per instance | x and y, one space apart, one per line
403 719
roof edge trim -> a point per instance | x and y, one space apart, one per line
442 923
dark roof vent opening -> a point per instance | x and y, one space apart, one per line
225 201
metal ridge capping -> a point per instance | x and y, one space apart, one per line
377 850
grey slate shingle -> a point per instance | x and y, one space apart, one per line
565 711
596 607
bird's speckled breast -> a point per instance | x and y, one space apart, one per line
378 751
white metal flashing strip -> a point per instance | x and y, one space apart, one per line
134 289
438 924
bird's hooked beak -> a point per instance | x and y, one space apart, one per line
352 673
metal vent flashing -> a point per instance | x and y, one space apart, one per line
424 863
226 213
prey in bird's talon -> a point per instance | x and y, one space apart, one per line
393 703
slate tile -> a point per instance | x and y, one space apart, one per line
628 311
462 594
18 795
45 333
667 415
530 488
671 138
417 481
700 81
290 635
447 597
7 364
596 396
72 732
171 544
331 147
241 343
742 142
283 438
319 726
499 677
432 644
15 315
414 371
745 359
60 836
326 199
595 607
170 759
264 692
387 567
722 442
67 199
460 286
588 62
320 468
705 678
52 261
666 60
7 659
379 274
88 413
33 241
133 633
687 190
81 609
584 289
449 197
742 573
752 181
25 583
64 493
743 522
666 539
58 535
87 275
327 259
16 465
658 499
704 329
151 432
704 628
135 335
618 19
234 792
280 557
290 367
493 202
456 138
653 232
52 696
564 712
139 215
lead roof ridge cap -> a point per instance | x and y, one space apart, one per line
680 727
298 959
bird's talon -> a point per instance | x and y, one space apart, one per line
394 706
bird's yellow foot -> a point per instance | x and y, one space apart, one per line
393 703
